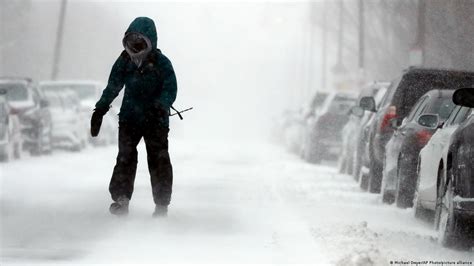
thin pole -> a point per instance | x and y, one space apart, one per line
361 35
59 40
341 33
324 46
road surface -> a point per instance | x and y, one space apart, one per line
233 202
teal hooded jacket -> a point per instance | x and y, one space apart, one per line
150 89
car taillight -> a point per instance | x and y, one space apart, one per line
423 136
389 115
15 111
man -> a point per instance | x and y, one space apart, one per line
150 90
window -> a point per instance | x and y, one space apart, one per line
452 116
419 106
463 113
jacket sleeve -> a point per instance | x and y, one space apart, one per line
114 85
170 88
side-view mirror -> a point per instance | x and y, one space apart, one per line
394 123
44 103
3 91
428 120
368 104
357 111
464 97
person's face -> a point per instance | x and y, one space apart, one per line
135 42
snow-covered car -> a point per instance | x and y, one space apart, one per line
89 92
454 215
432 161
352 130
403 149
10 132
26 101
68 127
402 95
324 136
292 130
361 158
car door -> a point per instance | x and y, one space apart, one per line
431 156
408 125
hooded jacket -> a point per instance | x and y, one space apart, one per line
150 89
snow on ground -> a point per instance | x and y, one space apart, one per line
233 202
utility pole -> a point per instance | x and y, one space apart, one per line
312 28
361 35
417 52
59 40
324 46
339 68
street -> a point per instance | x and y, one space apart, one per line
233 202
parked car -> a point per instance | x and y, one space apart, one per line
89 92
33 112
361 158
291 128
454 216
324 136
10 132
400 98
403 149
352 130
68 130
432 161
316 102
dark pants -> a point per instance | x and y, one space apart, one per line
159 164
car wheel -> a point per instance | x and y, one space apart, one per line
343 165
450 229
38 146
6 154
313 153
375 177
387 197
404 193
48 144
18 151
356 167
363 180
350 166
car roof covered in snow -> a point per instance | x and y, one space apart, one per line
16 80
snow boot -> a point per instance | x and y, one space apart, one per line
160 211
120 207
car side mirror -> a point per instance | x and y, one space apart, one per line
428 120
464 97
44 103
3 91
368 104
357 111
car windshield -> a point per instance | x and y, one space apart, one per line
341 105
15 91
53 100
84 91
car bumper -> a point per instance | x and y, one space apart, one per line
464 206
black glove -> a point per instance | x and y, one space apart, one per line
160 110
96 120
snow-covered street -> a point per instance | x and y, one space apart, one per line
245 202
